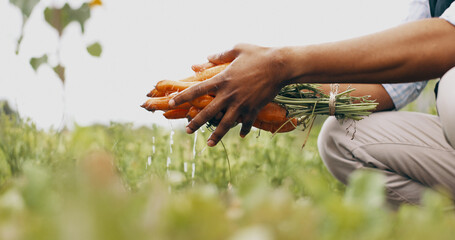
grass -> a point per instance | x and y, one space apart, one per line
112 182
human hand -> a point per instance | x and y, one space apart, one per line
252 80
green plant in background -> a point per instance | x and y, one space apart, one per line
26 7
59 18
426 102
115 182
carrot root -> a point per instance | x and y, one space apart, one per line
170 86
192 112
276 128
202 101
272 113
156 93
162 103
206 73
176 113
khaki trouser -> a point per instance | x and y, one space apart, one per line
411 149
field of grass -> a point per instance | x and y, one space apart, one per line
119 182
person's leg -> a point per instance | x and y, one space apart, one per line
446 105
408 148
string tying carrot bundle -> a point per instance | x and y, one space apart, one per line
295 104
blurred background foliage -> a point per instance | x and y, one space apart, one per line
59 18
426 102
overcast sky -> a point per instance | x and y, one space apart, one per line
145 41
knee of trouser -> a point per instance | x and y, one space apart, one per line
332 150
444 103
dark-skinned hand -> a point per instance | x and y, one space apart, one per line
252 80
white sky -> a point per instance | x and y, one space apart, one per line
145 41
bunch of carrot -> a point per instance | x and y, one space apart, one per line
273 117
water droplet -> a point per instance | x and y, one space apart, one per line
171 141
153 145
168 162
193 165
194 145
149 160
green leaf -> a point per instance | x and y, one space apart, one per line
95 49
26 6
81 15
59 18
37 62
60 70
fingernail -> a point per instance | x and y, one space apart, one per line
211 143
242 135
188 130
171 103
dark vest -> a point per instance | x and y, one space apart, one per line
437 7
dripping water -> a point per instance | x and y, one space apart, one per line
149 161
153 145
193 164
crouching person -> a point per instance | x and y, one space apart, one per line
414 151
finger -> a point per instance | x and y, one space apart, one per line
219 116
247 123
225 125
223 57
201 67
205 115
216 120
192 93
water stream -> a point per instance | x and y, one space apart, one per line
153 144
149 161
193 164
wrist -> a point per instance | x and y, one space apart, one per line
294 62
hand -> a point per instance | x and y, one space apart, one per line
252 80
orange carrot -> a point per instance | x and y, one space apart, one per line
170 86
272 113
156 93
276 127
201 67
202 101
192 112
176 113
206 74
162 103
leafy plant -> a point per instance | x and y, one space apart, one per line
117 182
59 18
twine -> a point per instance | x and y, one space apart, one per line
332 100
